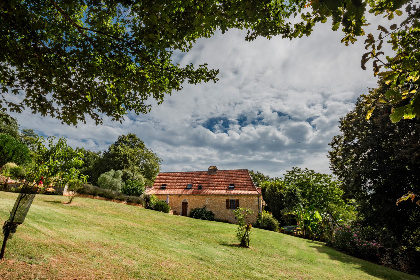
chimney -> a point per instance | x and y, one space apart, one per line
212 170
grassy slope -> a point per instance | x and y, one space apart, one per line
92 239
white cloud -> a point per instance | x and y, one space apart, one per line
277 103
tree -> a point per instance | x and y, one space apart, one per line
274 194
73 59
12 150
130 154
258 178
56 164
9 125
111 180
29 138
90 163
312 189
378 162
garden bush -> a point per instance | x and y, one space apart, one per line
267 221
162 206
17 172
5 170
111 180
202 213
109 194
149 200
356 241
133 188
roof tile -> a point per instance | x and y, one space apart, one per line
218 183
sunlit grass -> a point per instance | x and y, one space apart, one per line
93 239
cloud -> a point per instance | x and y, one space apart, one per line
277 105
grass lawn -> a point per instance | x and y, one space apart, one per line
94 239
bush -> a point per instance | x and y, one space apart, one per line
111 180
354 241
17 172
244 230
133 187
267 221
109 194
161 206
5 170
202 213
149 200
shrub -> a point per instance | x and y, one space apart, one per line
149 200
161 206
111 180
267 221
244 230
5 170
133 188
354 241
202 213
17 172
109 194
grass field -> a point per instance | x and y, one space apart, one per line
93 239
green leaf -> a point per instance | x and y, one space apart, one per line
390 94
397 114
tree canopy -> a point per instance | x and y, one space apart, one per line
378 162
305 189
12 150
78 59
9 125
128 154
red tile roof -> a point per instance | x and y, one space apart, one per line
217 183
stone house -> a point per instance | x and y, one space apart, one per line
220 191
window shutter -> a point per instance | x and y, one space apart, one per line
237 203
227 204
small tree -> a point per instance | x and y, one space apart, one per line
56 164
244 229
111 180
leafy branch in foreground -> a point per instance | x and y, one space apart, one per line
77 59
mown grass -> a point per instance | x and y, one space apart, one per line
93 239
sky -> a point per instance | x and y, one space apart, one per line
277 105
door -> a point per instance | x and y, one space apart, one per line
184 208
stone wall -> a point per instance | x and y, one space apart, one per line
216 204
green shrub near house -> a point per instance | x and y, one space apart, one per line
133 187
162 206
267 221
202 213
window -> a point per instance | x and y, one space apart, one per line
189 186
231 186
232 203
200 187
163 186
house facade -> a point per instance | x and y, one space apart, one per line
220 191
